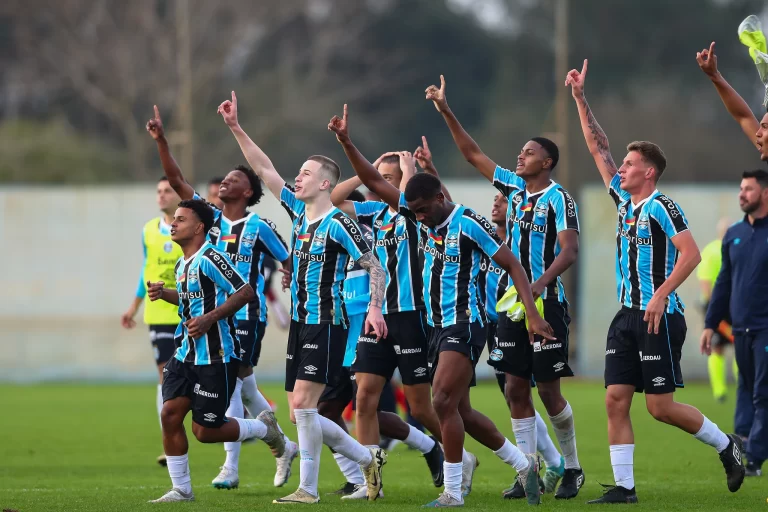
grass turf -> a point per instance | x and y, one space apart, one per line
93 447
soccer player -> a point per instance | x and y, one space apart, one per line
453 239
740 291
160 257
323 241
247 239
201 376
543 233
655 253
214 184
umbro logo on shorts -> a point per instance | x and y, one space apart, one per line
311 370
420 371
209 416
559 366
658 381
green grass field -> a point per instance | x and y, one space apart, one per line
93 447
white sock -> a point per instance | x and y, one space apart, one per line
565 431
235 410
511 455
544 444
418 440
713 436
250 428
621 460
452 479
253 400
525 434
159 403
310 446
350 468
178 468
339 441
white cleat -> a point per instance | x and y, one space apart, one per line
361 493
283 472
274 437
175 495
227 479
300 496
468 474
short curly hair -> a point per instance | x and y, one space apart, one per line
256 186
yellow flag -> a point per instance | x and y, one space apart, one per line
514 308
751 35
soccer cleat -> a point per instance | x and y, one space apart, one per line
530 480
274 437
734 466
753 469
443 501
573 480
467 474
300 496
175 495
283 472
435 459
517 491
347 488
553 476
226 479
162 460
372 472
360 493
615 494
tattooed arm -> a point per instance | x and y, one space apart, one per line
375 321
597 142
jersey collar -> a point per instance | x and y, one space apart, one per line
448 220
236 222
321 217
641 203
540 192
194 255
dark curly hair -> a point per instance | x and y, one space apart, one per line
256 186
201 209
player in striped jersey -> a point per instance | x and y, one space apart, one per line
655 253
201 376
247 239
323 241
453 239
542 232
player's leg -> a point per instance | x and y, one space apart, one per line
757 447
554 461
228 477
369 387
163 347
491 339
718 374
745 409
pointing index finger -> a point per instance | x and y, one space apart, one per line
345 113
712 50
234 99
157 112
584 69
424 143
442 83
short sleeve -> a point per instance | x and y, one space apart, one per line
404 210
219 268
669 216
481 232
614 190
347 233
368 210
566 211
293 206
216 209
507 182
271 241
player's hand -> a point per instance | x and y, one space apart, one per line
437 96
155 126
537 325
340 127
707 60
285 279
654 312
228 111
407 162
198 326
374 323
576 80
155 290
423 155
537 289
377 163
705 343
127 320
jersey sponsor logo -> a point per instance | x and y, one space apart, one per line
166 261
378 223
394 240
622 210
236 257
649 358
516 200
302 255
496 355
505 344
530 226
432 251
310 346
551 346
610 351
241 332
570 205
198 391
490 267
366 339
190 295
537 346
289 357
407 351
352 229
229 239
636 240
168 246
670 205
397 349
214 231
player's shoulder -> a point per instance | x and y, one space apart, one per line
662 203
559 195
210 252
470 217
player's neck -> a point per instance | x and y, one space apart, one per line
501 231
235 211
535 184
644 193
318 206
190 247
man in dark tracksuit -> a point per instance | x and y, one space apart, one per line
742 289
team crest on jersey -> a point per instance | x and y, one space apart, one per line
215 231
541 210
192 276
248 239
400 221
623 210
319 240
378 223
642 222
516 200
452 240
168 246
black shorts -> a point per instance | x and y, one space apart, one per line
209 386
163 342
490 341
387 399
315 353
650 362
544 362
250 333
341 390
405 348
467 339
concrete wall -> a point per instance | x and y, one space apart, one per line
71 259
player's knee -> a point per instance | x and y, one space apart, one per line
659 411
442 403
517 394
617 405
367 400
552 399
170 417
201 433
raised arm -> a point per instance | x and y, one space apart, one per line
424 157
734 104
594 135
256 158
170 167
341 193
367 172
468 147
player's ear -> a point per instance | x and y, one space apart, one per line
440 198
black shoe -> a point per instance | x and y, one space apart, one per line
734 466
345 490
572 481
753 469
517 491
615 494
435 459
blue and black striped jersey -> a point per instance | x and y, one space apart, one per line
488 286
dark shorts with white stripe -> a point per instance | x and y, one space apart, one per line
208 386
315 353
650 362
250 333
467 339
